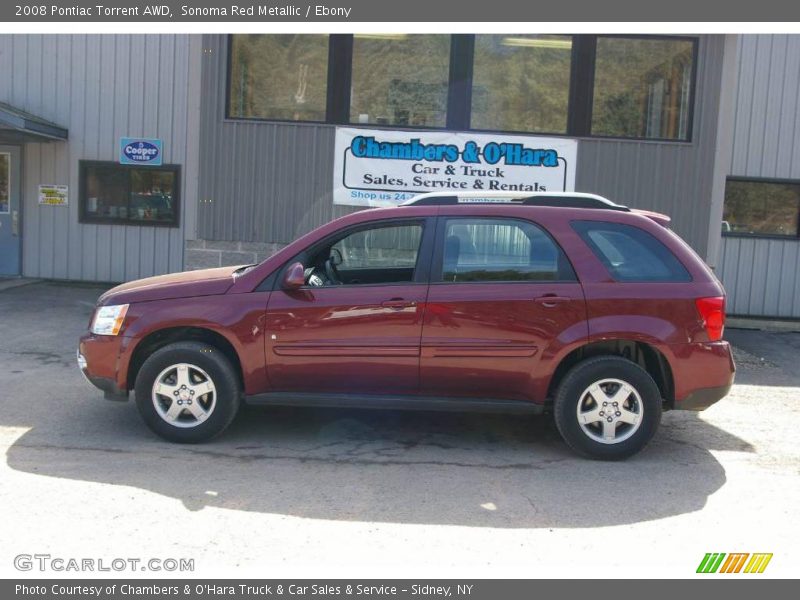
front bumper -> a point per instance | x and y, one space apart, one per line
99 362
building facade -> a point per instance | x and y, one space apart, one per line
256 141
248 158
94 90
759 258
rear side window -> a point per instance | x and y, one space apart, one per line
630 253
483 250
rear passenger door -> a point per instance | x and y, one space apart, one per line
502 293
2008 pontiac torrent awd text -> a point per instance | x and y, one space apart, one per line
470 302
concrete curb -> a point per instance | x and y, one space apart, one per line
774 325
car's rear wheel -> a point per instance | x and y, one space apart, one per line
187 392
607 408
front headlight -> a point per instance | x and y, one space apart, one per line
108 319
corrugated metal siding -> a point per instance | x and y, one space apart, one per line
673 178
270 182
259 181
101 88
767 126
761 275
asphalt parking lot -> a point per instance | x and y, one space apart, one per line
360 493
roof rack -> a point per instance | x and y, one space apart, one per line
563 199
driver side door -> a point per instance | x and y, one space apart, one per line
360 333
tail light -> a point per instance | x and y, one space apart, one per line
712 312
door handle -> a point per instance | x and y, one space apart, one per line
398 303
551 300
15 223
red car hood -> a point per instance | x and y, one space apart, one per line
207 282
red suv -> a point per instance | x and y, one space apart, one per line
529 303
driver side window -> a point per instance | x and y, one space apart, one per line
379 255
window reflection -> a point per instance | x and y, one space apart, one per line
113 193
521 82
400 79
642 88
761 207
279 77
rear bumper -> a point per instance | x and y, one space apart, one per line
703 374
703 398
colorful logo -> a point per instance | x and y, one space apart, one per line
737 562
134 151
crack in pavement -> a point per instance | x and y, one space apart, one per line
330 459
46 358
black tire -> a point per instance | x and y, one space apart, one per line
571 392
209 359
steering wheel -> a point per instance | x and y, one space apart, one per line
313 278
334 260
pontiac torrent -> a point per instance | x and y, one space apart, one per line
565 303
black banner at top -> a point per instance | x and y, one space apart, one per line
443 11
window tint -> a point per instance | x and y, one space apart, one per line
521 82
642 87
381 248
501 250
761 207
278 77
383 254
630 253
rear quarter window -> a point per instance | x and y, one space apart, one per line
630 253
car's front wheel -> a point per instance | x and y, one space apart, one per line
187 392
607 408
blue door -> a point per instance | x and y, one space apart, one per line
10 263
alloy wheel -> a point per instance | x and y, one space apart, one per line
610 411
184 395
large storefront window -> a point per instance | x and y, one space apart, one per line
124 195
642 88
400 80
635 87
521 83
760 207
282 77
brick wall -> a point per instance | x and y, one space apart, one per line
206 254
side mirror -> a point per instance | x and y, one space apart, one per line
294 277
